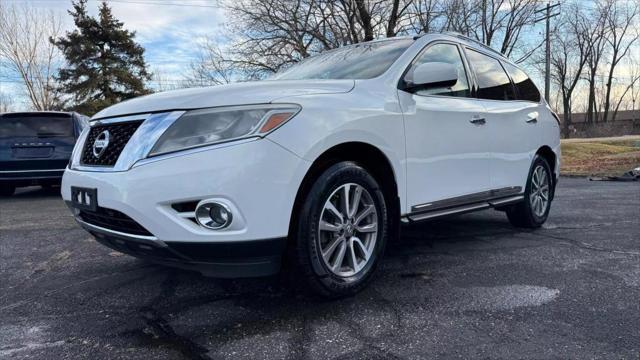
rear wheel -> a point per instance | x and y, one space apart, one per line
341 231
7 189
534 210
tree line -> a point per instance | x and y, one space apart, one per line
95 65
595 62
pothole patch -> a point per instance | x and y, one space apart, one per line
506 297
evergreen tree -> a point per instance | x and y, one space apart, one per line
104 63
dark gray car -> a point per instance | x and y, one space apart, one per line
35 147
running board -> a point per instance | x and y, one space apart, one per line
464 208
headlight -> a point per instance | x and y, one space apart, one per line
209 126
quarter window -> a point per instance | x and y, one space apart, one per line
445 53
526 88
493 82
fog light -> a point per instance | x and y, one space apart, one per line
213 215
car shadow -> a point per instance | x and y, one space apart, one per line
447 235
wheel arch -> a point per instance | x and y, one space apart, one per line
550 156
366 155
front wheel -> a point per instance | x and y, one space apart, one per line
341 231
534 210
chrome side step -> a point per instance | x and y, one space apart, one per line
506 201
433 214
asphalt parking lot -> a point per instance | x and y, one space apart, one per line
469 287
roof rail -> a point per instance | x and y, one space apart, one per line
474 41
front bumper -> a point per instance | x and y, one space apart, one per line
257 179
221 259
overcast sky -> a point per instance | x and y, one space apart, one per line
167 29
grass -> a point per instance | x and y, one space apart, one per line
606 157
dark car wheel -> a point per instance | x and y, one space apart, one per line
7 189
341 231
534 210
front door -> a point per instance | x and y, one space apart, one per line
447 142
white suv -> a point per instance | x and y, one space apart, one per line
317 166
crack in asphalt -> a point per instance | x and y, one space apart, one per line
160 332
59 289
587 246
157 329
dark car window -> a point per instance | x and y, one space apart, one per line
35 126
445 53
360 61
493 82
527 90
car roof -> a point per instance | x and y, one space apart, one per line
469 42
449 35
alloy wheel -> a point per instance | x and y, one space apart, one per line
540 190
348 230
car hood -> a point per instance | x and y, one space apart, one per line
254 92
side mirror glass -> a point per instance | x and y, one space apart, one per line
431 75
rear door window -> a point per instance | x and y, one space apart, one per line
527 90
35 126
493 82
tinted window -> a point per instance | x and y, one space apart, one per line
35 126
493 82
360 61
526 88
446 53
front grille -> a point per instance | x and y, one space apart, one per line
119 135
113 220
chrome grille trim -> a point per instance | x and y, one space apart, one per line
139 145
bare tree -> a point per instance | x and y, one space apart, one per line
625 87
211 68
273 34
26 51
6 102
426 16
508 19
621 24
597 34
270 35
570 54
463 16
160 82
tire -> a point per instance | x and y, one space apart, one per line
363 231
7 189
534 210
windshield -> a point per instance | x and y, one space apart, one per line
359 61
35 126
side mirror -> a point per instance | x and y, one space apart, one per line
432 75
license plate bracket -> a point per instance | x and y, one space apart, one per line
84 198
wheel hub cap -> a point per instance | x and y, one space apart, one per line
348 230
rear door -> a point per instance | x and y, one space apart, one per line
511 122
447 143
35 141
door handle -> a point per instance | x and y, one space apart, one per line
532 117
477 120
